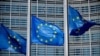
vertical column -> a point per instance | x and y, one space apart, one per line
46 20
10 16
55 48
89 16
28 29
37 16
10 12
66 34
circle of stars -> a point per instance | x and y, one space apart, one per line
10 42
78 30
46 40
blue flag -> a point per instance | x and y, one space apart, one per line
43 32
78 25
11 41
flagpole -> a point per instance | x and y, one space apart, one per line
37 16
10 16
89 29
66 34
55 21
46 20
28 30
10 12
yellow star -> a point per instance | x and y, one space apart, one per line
54 36
38 36
11 46
54 29
41 39
73 19
9 42
55 32
38 27
77 17
18 40
51 40
46 41
41 24
50 25
14 36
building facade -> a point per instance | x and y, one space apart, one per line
87 44
13 14
52 12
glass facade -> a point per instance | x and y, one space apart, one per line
87 44
52 12
13 14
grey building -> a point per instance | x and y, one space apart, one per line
87 44
52 12
13 14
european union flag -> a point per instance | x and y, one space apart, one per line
78 25
43 32
11 41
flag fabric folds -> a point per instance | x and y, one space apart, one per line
77 25
43 32
11 41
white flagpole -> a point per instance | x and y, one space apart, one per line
66 34
46 20
37 16
10 16
89 12
28 29
10 12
